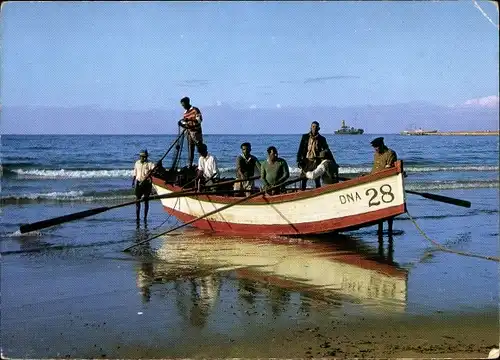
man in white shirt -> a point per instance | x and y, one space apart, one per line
208 172
142 182
328 169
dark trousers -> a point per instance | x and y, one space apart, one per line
310 165
143 189
194 140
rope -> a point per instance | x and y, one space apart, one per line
442 248
168 217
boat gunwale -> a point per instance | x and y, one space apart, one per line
299 195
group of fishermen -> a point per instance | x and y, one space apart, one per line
314 158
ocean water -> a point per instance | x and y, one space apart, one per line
95 168
196 282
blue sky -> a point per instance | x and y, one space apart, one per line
273 54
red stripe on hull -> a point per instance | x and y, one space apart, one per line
316 227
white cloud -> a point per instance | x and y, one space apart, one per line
484 102
278 106
253 106
219 103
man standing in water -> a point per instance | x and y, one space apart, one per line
192 122
310 146
383 158
142 183
274 171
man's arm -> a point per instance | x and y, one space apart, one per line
134 175
239 173
324 144
320 170
263 176
392 159
257 164
215 168
301 150
286 172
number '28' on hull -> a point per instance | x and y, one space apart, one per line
348 205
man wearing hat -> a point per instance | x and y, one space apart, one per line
142 182
327 170
384 157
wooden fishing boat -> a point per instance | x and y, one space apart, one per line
347 205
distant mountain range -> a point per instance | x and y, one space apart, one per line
225 119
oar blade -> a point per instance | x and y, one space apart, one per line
441 198
24 228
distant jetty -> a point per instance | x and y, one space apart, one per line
421 132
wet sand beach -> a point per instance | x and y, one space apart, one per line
200 295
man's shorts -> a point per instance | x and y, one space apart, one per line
143 188
196 137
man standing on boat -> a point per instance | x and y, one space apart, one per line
142 182
192 122
327 170
274 171
310 146
208 171
383 157
245 169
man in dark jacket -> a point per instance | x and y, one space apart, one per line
310 146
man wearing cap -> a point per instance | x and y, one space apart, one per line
142 182
327 170
310 146
383 157
191 121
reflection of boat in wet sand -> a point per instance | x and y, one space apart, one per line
324 268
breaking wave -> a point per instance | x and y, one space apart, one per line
124 173
71 174
68 196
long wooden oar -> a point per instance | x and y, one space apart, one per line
232 181
445 199
24 228
214 212
435 197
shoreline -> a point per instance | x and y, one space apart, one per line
455 133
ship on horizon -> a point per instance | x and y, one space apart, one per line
346 130
417 132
